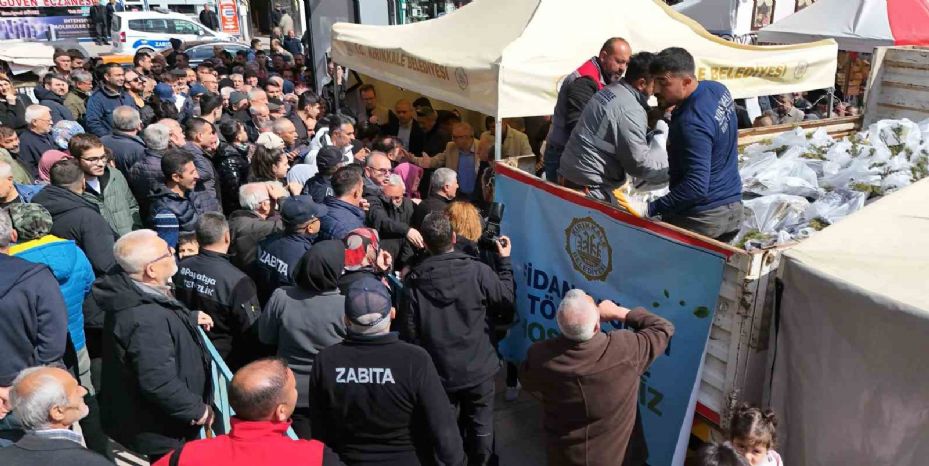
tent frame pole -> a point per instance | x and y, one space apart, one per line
831 101
498 138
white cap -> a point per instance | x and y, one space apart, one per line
270 141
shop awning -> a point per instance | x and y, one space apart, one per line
857 25
506 58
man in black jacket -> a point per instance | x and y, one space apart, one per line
255 221
208 18
444 309
406 128
124 141
376 399
399 210
443 186
210 283
37 138
76 218
377 172
156 389
28 293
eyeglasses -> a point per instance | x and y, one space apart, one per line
380 171
93 160
170 253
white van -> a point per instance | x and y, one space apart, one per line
152 30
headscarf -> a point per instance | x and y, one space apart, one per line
411 175
320 268
49 158
63 131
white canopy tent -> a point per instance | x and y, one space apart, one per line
857 25
506 59
850 378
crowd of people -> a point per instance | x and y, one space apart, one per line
335 257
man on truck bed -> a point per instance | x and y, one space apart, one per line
706 189
576 90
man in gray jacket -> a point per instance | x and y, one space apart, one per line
611 138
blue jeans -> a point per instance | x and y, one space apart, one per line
552 157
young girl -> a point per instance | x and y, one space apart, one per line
753 433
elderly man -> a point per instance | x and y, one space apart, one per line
377 172
101 104
398 209
786 111
589 380
147 405
445 298
259 122
376 399
124 141
405 127
52 94
209 282
37 138
285 128
62 60
610 141
576 90
75 217
263 395
461 155
48 401
442 189
82 82
255 221
30 293
145 175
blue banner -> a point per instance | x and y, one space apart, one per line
562 241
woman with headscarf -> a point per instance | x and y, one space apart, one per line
49 158
301 320
63 131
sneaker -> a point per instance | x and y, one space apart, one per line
512 393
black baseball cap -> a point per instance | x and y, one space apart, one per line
367 295
328 157
298 210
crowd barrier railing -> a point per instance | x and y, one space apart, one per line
221 376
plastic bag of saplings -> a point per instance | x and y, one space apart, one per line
859 175
793 138
897 134
821 138
785 176
832 207
770 214
895 181
755 164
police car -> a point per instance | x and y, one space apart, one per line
152 30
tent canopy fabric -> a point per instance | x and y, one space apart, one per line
883 248
507 59
851 340
857 25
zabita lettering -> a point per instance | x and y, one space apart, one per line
375 375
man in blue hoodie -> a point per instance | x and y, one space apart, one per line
346 206
706 189
99 117
34 321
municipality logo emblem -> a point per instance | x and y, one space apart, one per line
801 69
461 76
587 245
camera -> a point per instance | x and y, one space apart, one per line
488 240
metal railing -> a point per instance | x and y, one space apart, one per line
222 377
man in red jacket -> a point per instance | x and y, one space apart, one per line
263 395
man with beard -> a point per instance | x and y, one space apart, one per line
576 90
52 93
611 142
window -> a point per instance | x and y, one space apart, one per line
201 53
149 25
185 27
